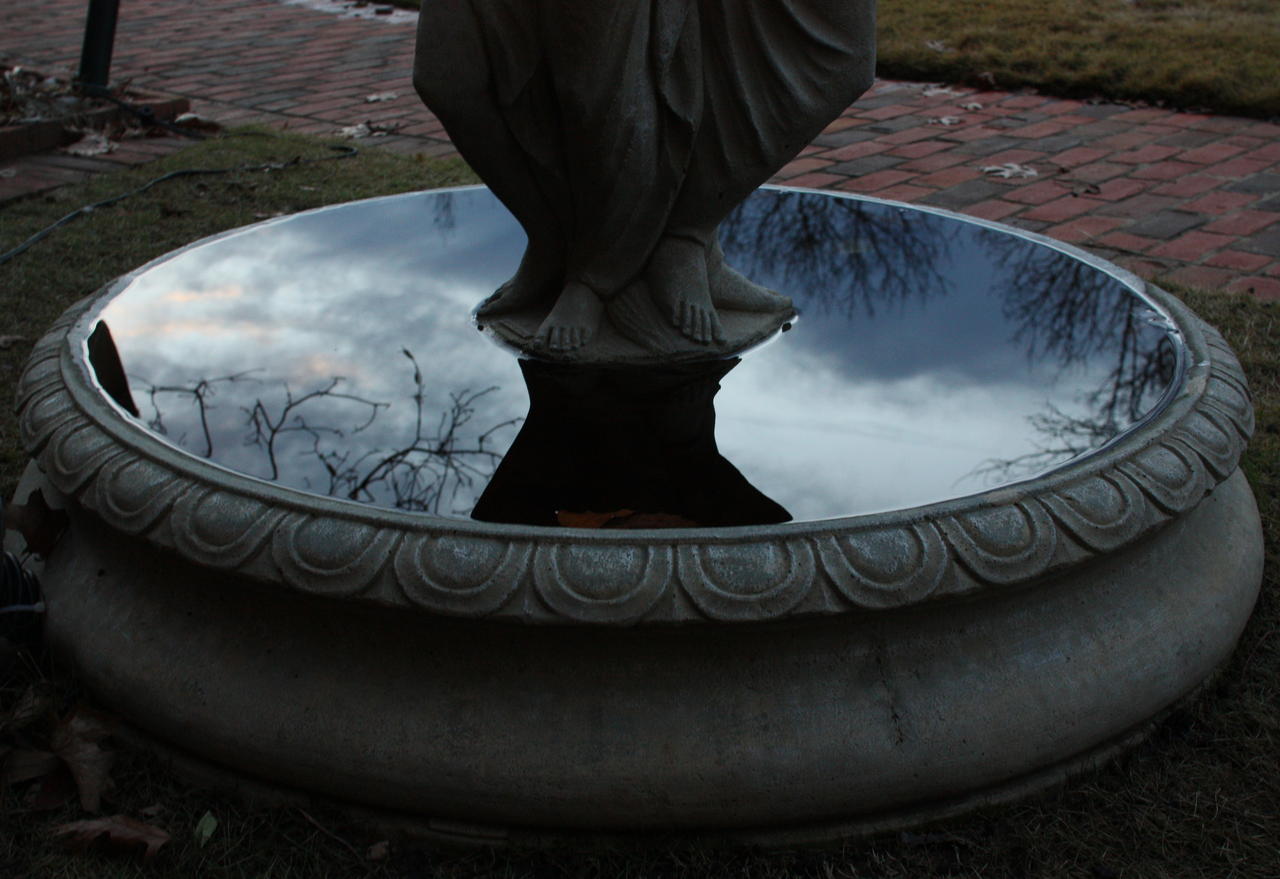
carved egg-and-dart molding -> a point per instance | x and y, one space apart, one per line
141 486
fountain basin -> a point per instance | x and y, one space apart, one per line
803 680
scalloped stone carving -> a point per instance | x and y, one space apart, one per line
79 453
747 581
1160 470
1169 474
328 555
885 568
134 493
604 582
1101 513
221 530
459 574
1004 544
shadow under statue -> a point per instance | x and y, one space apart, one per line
620 135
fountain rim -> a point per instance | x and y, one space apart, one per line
1156 471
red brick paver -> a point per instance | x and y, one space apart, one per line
1179 195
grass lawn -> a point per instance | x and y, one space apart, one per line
1200 798
1217 54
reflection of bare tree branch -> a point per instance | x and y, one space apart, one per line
1068 313
266 430
417 473
424 473
840 253
200 392
444 218
1061 438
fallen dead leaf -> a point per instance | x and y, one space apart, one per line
92 144
370 129
10 341
75 741
6 173
938 46
946 120
971 106
933 91
651 520
624 519
588 519
118 833
197 123
380 97
1010 170
355 131
378 851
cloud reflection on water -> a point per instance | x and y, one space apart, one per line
916 363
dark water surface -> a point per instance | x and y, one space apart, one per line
333 351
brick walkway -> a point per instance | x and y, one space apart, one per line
1179 196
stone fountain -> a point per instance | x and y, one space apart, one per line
928 513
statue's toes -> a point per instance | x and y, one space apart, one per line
700 324
716 329
566 338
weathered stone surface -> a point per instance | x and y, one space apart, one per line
834 674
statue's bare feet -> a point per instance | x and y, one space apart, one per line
732 290
573 321
677 276
540 273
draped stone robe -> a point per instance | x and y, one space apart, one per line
606 124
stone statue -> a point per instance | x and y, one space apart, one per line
620 133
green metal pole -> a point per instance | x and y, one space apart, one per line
99 39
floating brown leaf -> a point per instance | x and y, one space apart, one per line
75 741
651 520
588 519
117 833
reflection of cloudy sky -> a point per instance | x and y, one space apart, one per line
817 440
323 295
844 414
